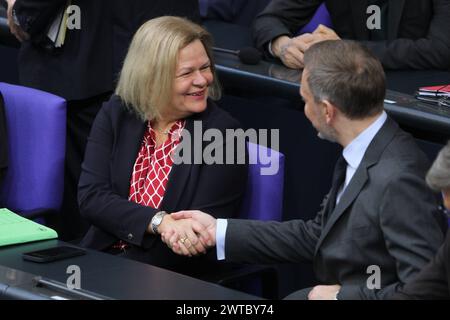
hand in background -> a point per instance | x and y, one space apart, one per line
15 29
291 50
323 33
208 223
185 233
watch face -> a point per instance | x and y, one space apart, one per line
156 221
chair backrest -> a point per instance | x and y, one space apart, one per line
321 16
36 124
263 198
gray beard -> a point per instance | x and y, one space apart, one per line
327 137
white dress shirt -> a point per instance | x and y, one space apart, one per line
353 155
354 152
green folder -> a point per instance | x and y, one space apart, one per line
15 229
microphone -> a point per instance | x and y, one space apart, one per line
247 55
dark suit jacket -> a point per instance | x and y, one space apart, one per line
113 145
385 217
3 141
418 29
91 57
433 281
240 12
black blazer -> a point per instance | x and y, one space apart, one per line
386 217
433 281
418 35
88 63
3 141
240 12
112 148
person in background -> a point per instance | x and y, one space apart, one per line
433 281
409 34
129 181
240 12
379 213
83 68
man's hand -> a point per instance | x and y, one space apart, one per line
185 233
291 50
208 223
324 292
15 29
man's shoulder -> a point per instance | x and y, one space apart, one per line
403 155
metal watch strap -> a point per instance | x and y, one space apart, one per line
156 221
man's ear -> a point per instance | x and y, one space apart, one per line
330 111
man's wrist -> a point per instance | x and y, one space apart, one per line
277 44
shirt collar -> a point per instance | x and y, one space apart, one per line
355 151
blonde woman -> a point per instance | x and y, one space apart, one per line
129 180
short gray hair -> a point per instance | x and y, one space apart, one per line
348 75
438 177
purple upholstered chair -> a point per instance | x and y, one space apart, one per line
264 194
320 17
263 200
36 123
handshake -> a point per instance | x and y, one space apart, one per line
188 233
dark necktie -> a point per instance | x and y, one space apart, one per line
338 179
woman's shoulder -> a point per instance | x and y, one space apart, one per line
114 104
115 107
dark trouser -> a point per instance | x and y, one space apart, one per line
80 116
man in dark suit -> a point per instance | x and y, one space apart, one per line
3 141
433 281
84 69
378 225
240 12
410 34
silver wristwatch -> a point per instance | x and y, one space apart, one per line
156 221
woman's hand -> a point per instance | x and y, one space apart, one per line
187 233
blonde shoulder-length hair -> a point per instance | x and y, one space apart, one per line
146 80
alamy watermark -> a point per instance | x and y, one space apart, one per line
214 146
74 280
374 280
374 20
73 17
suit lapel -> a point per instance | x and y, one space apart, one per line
359 8
184 174
361 177
352 191
395 16
179 173
129 142
133 130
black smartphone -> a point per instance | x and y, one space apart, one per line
53 254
